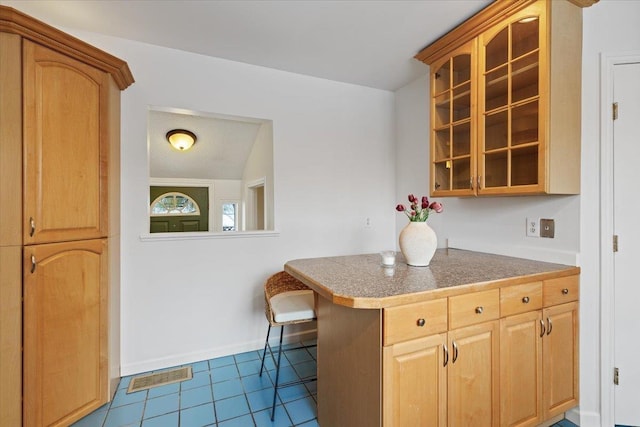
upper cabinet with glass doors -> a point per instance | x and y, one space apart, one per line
505 101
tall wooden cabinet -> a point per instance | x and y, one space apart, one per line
505 101
59 225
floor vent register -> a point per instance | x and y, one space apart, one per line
147 381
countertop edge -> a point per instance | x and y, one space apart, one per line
397 300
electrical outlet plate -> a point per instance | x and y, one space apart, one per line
533 227
547 228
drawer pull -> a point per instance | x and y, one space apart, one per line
33 263
455 351
421 322
479 309
445 350
525 300
32 226
549 325
565 291
542 328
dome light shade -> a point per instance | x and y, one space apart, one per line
181 139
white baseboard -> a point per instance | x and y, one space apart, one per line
181 359
583 418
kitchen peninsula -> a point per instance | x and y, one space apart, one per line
473 340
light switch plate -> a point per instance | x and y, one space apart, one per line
547 228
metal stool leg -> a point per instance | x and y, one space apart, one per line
275 388
266 344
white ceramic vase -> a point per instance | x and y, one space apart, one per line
418 243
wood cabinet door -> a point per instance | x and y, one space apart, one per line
512 102
521 370
65 148
473 399
65 334
560 359
453 119
414 383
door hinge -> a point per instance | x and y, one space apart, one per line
616 376
615 111
615 243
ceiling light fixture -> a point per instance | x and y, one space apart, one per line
181 139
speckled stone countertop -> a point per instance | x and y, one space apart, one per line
360 281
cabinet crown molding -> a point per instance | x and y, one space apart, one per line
477 24
15 22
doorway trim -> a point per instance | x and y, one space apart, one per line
250 206
607 64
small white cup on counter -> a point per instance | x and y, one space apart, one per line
388 258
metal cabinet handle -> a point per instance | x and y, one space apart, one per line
479 309
455 351
32 226
445 350
549 325
471 183
525 300
565 291
421 322
542 328
33 263
479 182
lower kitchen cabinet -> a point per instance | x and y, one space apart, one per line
538 352
560 356
510 360
481 353
65 331
446 379
521 369
472 398
415 382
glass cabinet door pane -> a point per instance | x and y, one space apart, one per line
461 173
524 124
442 109
442 80
461 145
496 167
442 145
462 102
496 130
497 50
524 36
461 69
442 179
496 89
524 78
524 166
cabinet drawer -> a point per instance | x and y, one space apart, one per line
414 321
561 290
520 298
476 307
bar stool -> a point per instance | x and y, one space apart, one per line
287 302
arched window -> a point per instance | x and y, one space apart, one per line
173 204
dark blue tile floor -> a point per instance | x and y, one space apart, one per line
224 392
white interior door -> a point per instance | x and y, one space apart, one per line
626 176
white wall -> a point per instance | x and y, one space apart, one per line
497 224
188 300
